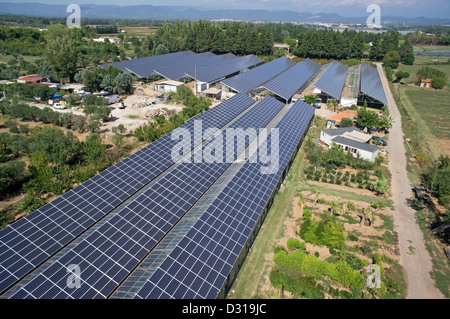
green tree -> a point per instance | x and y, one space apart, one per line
124 83
161 49
12 175
406 52
346 122
381 186
91 81
409 59
367 118
57 147
62 53
400 75
436 178
310 99
439 83
391 60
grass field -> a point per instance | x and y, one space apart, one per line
428 110
138 32
431 47
29 58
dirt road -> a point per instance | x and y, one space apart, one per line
414 256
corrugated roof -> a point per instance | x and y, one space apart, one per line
358 145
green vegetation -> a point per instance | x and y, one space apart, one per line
15 109
436 178
439 78
327 231
194 105
27 91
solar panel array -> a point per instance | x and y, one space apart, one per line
288 83
371 83
180 68
108 253
175 66
247 81
214 72
332 80
144 67
34 238
198 267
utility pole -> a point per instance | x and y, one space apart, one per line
195 81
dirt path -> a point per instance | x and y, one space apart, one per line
414 256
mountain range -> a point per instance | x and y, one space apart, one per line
194 13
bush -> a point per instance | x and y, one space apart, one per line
329 233
295 244
388 238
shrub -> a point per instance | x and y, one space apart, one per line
295 244
278 248
388 238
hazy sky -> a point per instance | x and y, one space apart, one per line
349 8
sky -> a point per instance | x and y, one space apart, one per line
346 8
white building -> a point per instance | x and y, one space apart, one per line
351 139
168 86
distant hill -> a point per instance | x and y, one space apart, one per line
192 13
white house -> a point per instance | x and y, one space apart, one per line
168 86
351 139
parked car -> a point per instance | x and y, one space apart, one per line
59 106
104 93
318 104
378 140
80 91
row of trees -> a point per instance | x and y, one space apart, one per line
201 36
27 91
95 113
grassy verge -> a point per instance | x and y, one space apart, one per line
441 268
424 112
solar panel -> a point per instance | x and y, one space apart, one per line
145 66
371 83
332 80
112 250
198 267
214 72
288 83
247 81
34 238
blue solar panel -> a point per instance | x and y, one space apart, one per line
145 66
198 267
118 244
27 242
288 83
247 81
332 80
218 71
371 83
